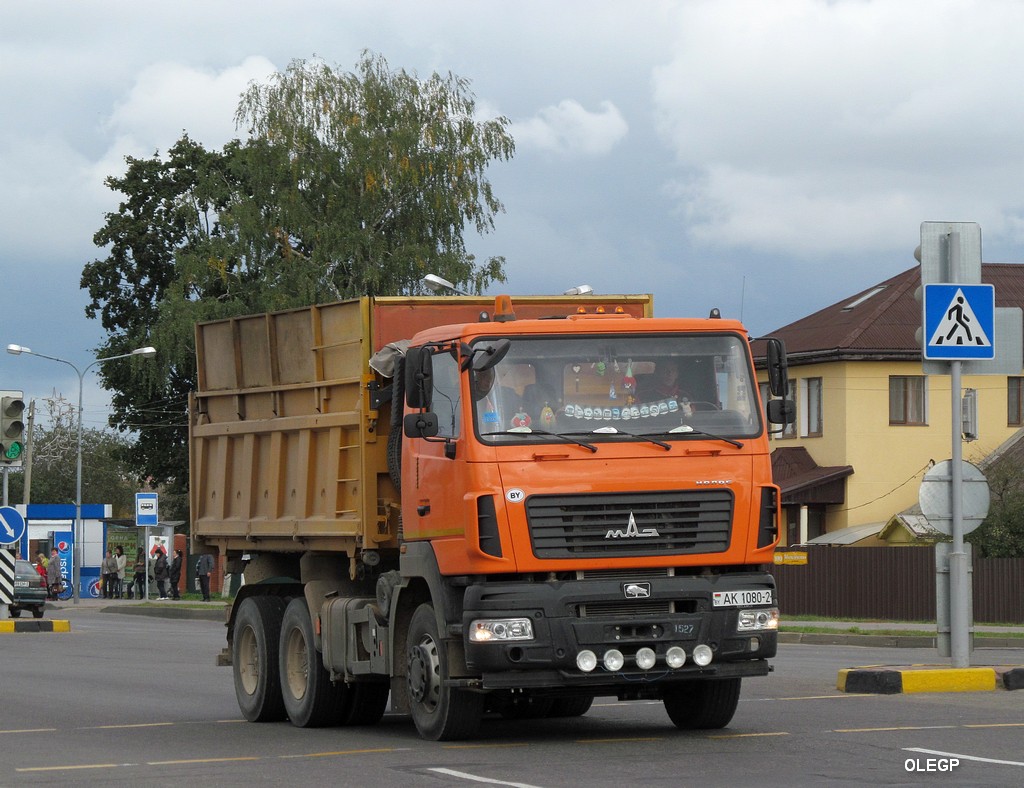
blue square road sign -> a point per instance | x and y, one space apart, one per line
959 322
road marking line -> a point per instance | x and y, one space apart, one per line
484 746
184 761
747 735
897 728
962 757
30 730
66 768
616 741
344 752
135 725
995 725
476 779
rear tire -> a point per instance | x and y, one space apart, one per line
702 705
15 612
311 699
37 612
254 659
571 707
369 702
441 712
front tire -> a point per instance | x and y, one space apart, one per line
702 705
254 659
440 712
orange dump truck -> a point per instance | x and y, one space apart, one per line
466 505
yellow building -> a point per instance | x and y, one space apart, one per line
870 421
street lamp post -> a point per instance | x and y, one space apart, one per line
144 352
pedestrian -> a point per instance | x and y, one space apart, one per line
175 573
41 565
122 562
54 577
139 579
161 573
204 569
109 570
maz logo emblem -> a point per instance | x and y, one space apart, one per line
637 590
631 532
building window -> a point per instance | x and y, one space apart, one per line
789 430
907 399
1014 402
810 408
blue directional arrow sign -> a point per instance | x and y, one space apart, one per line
12 525
959 322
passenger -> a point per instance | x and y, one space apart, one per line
54 578
109 574
139 576
175 573
204 570
161 573
122 562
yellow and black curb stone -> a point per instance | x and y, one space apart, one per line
34 625
925 678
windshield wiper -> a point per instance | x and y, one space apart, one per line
617 431
531 431
686 428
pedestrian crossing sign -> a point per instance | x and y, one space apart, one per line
959 322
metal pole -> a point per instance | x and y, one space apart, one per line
79 526
958 577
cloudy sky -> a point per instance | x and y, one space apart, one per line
765 158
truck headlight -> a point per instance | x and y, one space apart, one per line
492 630
758 620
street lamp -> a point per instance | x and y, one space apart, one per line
144 352
436 284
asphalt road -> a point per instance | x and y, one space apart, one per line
134 700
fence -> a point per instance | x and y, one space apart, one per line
892 583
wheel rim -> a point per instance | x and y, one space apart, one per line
424 675
249 661
296 664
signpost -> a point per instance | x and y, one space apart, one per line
961 326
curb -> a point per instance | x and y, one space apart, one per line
35 625
888 641
922 678
193 613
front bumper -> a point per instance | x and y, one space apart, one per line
656 612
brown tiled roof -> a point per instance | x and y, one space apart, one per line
793 469
879 323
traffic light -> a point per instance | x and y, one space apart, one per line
12 427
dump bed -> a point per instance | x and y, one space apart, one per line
287 450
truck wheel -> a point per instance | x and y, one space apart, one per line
702 704
369 702
441 712
254 659
311 699
571 707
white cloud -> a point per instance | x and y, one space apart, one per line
170 98
812 127
569 128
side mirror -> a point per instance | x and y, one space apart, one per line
781 411
486 357
419 378
420 425
778 368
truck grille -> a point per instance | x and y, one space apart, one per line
602 525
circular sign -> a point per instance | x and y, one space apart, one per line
12 525
936 503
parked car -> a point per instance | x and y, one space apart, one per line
29 590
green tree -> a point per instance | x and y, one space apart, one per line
1002 533
350 184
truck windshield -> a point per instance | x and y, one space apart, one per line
618 388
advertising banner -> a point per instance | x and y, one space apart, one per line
64 541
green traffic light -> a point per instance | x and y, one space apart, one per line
12 451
